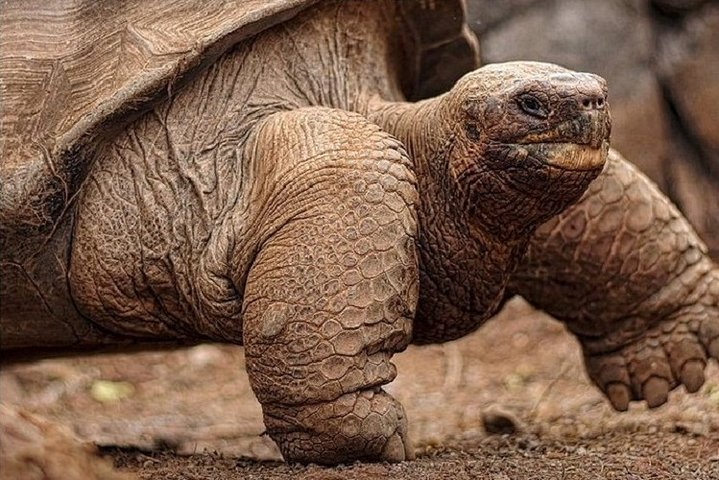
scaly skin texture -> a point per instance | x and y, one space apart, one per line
331 295
267 221
629 276
489 173
140 255
288 199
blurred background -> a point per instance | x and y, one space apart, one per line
661 59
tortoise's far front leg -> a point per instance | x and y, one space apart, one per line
331 294
629 276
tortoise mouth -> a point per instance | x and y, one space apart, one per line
567 155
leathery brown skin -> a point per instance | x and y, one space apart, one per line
622 267
507 148
351 218
317 368
288 200
331 294
433 206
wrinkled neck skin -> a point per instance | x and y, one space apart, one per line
468 248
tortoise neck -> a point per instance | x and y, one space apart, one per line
464 267
427 134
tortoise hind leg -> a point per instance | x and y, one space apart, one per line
629 276
332 292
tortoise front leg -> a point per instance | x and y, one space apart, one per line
331 294
629 276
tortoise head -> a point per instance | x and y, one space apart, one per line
527 139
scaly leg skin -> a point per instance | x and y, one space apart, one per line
629 276
332 292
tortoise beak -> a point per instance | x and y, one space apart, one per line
573 156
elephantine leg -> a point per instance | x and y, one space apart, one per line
331 293
632 280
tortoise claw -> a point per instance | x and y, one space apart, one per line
395 450
692 375
672 352
619 395
656 391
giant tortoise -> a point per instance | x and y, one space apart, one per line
279 175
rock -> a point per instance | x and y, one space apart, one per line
698 429
483 15
689 63
677 7
33 448
696 192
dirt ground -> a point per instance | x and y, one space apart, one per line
190 414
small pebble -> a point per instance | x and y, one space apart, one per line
106 391
498 422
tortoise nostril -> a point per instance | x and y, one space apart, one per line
593 102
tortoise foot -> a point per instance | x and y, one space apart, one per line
369 425
673 352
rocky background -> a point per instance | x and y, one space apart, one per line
661 59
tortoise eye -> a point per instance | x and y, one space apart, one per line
532 106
